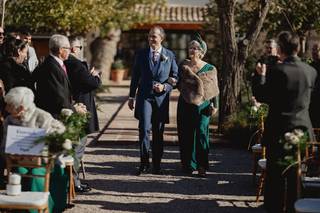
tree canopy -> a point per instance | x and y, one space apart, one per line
75 17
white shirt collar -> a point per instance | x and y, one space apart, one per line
158 50
57 59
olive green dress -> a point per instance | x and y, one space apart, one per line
193 130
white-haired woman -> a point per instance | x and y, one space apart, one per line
23 112
198 88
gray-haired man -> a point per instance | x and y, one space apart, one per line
52 84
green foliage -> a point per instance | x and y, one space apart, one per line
75 125
118 65
245 122
58 143
294 15
238 128
75 17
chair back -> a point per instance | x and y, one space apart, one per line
31 162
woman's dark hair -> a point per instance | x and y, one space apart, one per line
12 45
289 43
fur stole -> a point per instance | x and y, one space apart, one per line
195 89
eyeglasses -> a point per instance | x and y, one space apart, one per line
80 47
67 48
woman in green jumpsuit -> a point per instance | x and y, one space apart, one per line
198 88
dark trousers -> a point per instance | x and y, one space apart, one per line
150 119
280 190
79 152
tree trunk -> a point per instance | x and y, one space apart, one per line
230 76
235 55
103 50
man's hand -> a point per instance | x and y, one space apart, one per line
131 103
214 110
158 87
172 81
261 69
94 72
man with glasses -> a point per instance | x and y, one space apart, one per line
268 59
53 91
83 83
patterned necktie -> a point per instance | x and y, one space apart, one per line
154 57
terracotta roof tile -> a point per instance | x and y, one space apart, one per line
175 13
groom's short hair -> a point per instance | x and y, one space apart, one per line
161 30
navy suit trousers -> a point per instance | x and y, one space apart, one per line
150 120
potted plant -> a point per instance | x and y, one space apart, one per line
117 70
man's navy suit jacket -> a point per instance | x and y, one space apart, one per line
145 75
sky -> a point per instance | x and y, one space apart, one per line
188 2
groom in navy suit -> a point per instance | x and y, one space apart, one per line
152 68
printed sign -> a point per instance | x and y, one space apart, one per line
21 140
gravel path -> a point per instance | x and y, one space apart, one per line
111 168
111 164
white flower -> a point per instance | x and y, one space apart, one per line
56 126
287 136
66 112
254 108
294 139
287 146
163 57
45 151
298 132
67 145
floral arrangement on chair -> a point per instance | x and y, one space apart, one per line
258 112
64 142
294 143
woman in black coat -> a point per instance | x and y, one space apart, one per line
12 71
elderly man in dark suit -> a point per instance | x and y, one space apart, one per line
83 83
52 84
152 68
287 89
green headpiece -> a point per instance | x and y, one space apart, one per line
203 44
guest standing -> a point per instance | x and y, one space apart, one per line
12 73
32 59
53 92
83 83
198 88
286 88
314 109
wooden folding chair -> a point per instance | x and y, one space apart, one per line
28 199
256 147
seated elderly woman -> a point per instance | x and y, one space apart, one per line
23 112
